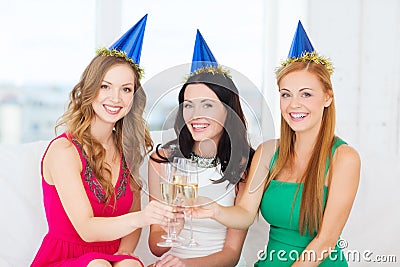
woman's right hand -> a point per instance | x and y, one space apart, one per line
156 213
204 208
178 221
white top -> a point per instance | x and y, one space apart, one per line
209 233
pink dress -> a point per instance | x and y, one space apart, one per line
62 246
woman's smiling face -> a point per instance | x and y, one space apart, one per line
204 114
302 100
115 96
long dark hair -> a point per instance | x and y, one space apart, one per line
233 151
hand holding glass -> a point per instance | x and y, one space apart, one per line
168 194
186 178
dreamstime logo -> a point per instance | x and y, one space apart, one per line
343 254
162 106
342 243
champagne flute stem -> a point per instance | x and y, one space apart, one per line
192 242
168 229
190 225
173 234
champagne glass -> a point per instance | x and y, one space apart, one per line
186 179
168 194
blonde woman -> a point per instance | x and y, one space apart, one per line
90 193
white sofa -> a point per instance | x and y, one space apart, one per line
23 222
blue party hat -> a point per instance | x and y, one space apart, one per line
302 50
202 55
205 67
131 42
203 60
129 46
300 44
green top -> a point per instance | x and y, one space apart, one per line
276 207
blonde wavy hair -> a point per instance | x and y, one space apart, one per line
311 209
79 115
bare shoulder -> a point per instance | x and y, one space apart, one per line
259 167
61 159
271 144
62 151
346 165
263 155
61 147
266 150
348 154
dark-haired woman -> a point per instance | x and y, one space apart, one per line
211 130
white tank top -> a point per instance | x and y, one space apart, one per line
209 233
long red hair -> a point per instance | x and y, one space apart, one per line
313 179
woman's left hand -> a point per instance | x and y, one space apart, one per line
170 261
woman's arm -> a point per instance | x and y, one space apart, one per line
128 243
242 215
62 167
342 191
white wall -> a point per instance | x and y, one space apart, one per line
108 21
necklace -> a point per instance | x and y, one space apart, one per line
204 162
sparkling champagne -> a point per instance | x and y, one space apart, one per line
188 193
168 192
178 179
